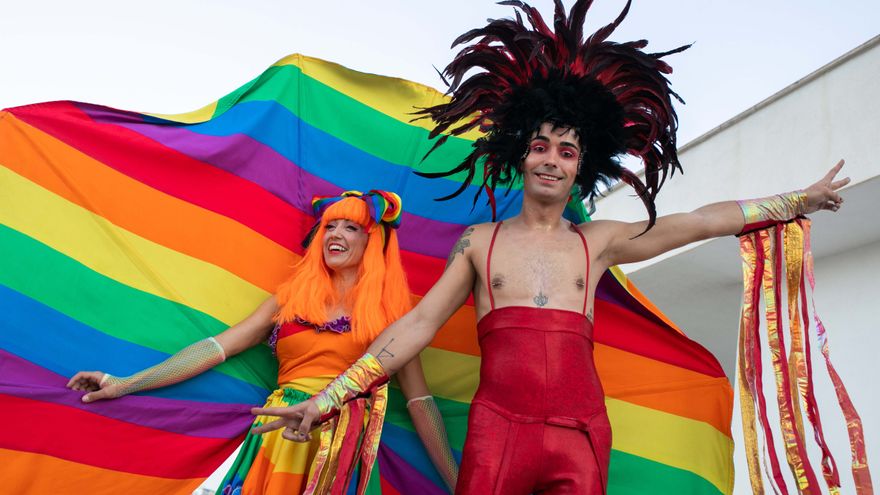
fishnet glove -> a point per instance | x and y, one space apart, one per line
429 425
187 363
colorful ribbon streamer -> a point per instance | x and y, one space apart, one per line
771 256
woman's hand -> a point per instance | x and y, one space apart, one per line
823 194
297 420
97 383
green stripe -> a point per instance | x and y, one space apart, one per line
350 120
634 475
43 274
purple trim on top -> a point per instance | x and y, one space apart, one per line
22 378
339 325
273 339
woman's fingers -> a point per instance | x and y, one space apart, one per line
101 394
86 381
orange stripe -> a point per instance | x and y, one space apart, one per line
141 209
459 334
651 383
26 472
263 477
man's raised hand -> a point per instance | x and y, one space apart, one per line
823 194
297 420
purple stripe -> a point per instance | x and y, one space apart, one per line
610 290
254 161
403 477
22 378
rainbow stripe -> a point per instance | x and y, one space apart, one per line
126 236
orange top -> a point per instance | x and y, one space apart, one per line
303 352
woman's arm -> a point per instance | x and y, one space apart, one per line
187 363
428 421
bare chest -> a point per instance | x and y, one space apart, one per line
535 271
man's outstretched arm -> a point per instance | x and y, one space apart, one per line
393 348
623 244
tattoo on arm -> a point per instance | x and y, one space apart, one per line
540 299
460 245
590 315
385 353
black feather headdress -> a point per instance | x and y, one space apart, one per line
613 95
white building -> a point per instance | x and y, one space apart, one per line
786 142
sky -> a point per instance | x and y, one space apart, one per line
171 56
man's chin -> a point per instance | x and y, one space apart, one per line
547 195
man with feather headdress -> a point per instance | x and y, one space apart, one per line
558 110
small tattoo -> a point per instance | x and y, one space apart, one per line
497 281
385 353
460 245
540 299
580 283
590 315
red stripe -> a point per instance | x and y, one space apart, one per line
80 436
621 328
387 487
169 171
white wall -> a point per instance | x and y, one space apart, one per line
786 142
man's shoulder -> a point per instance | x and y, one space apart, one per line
478 235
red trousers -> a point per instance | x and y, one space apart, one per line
509 457
537 422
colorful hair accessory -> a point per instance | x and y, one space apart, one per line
385 207
510 78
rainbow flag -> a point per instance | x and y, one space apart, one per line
126 236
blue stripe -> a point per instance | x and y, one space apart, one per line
64 346
331 159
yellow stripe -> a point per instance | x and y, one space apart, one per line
203 114
122 255
395 97
660 437
451 375
284 456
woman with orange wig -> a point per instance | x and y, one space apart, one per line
348 286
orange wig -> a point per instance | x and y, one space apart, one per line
381 294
